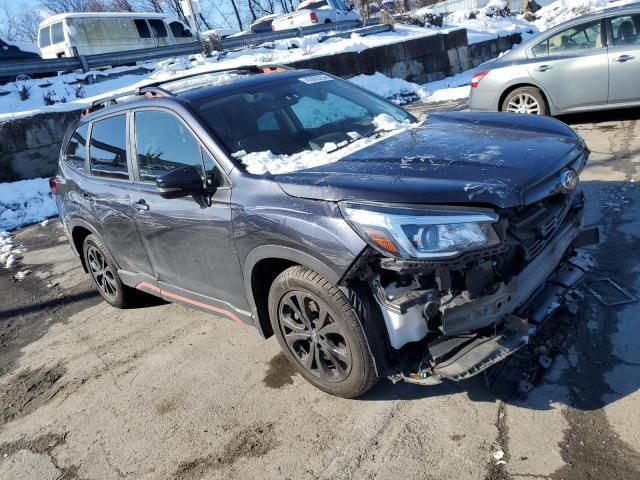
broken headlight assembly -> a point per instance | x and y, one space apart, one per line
423 233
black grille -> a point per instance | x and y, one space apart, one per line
534 226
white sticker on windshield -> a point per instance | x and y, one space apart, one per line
315 79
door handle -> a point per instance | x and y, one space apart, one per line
141 205
623 58
543 68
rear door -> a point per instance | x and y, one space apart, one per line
624 58
189 240
572 66
107 193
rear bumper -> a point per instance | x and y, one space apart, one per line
540 289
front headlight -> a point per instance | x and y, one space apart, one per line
433 232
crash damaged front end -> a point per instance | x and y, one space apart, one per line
459 298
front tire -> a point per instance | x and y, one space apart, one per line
320 333
525 100
104 273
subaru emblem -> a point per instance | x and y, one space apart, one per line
568 179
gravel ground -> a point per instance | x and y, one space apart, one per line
162 391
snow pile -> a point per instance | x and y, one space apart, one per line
259 163
9 253
25 202
485 24
563 10
397 90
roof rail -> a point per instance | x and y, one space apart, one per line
154 89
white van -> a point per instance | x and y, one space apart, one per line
93 33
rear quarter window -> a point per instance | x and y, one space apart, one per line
76 151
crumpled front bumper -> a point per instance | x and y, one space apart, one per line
528 300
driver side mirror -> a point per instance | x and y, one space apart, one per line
350 7
180 182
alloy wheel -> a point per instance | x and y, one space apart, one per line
102 273
314 337
524 103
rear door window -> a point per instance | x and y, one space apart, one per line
158 27
143 28
626 30
57 33
163 143
108 148
44 38
75 153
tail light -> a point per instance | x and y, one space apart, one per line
475 80
53 185
313 17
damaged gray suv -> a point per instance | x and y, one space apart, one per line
369 243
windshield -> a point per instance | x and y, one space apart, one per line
314 112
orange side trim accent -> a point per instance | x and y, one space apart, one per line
206 306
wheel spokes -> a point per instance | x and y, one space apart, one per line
313 336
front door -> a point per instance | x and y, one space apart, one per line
572 66
624 58
189 240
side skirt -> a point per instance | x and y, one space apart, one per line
174 294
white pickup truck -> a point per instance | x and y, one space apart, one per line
313 12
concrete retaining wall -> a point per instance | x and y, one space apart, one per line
29 147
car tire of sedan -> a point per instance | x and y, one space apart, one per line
320 333
525 100
104 273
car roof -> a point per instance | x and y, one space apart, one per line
98 15
192 88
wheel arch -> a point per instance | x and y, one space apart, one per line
79 230
263 265
522 84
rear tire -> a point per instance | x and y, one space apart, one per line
104 273
320 333
525 100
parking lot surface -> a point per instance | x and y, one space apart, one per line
162 391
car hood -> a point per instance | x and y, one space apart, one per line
498 159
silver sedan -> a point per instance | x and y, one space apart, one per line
589 63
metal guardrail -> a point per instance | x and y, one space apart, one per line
88 62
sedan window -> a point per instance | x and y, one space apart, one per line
164 143
580 37
108 148
626 29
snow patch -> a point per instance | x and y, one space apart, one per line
397 90
259 163
25 202
563 10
